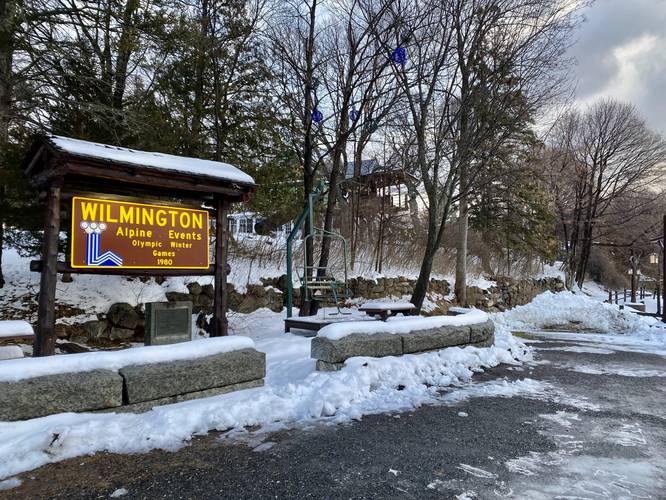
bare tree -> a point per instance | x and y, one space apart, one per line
598 158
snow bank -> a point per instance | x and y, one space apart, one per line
398 325
296 395
394 306
12 328
10 352
18 369
159 161
550 310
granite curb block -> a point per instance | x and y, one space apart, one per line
134 388
162 380
331 354
64 392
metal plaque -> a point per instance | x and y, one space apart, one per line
168 322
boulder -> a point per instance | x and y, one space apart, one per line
123 315
208 291
178 297
64 392
118 333
97 329
337 351
161 380
194 288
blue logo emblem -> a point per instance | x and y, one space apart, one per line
93 232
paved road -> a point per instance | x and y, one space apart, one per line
583 421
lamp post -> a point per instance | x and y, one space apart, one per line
634 273
655 258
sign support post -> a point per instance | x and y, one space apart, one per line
44 344
220 323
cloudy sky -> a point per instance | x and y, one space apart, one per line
621 53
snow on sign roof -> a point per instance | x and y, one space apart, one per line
148 159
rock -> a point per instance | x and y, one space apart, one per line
66 278
161 380
39 396
194 288
336 351
435 338
97 329
208 291
123 315
118 333
202 303
178 297
482 332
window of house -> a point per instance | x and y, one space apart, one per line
246 225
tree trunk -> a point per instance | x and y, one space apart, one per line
125 44
461 254
7 40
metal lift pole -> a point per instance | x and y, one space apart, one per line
308 211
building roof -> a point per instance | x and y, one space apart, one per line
150 160
367 167
80 166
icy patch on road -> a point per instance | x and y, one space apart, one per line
613 369
579 349
562 418
476 471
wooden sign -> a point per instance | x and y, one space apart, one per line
121 234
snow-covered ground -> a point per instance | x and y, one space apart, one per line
295 394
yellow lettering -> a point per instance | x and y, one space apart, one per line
88 210
126 215
197 220
147 217
161 219
173 214
185 220
108 215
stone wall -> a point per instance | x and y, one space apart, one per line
125 323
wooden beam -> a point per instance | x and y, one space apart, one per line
63 267
45 337
155 178
220 326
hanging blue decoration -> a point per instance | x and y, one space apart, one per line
399 55
317 116
353 114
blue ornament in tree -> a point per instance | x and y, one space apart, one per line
353 114
317 116
399 55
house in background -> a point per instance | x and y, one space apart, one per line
376 184
244 224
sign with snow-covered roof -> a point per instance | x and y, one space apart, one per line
121 234
140 223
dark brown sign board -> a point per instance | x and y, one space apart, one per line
129 235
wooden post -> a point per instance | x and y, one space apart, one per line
663 271
610 297
220 324
616 301
45 338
